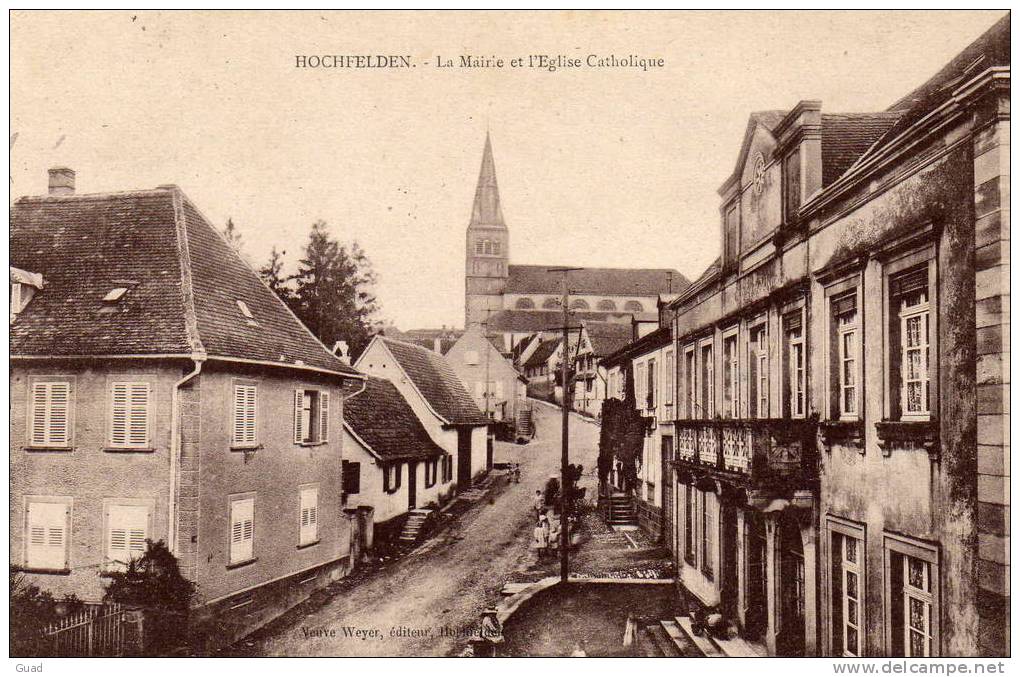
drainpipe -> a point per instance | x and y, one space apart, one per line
175 448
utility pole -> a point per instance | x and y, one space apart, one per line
564 456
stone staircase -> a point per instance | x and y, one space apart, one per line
621 510
525 425
675 637
416 521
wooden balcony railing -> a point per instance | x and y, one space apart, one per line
757 448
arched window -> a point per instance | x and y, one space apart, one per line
497 247
606 304
524 303
488 247
579 304
551 303
634 306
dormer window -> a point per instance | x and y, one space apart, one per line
243 307
114 295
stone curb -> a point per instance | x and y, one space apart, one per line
511 604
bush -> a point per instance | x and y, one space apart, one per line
31 611
154 583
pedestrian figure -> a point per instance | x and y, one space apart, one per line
539 504
517 473
554 536
540 540
579 651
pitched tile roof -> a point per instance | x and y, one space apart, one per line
608 337
522 321
601 281
435 379
659 338
183 281
991 49
383 419
846 137
542 353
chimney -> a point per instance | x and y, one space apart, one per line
437 345
61 181
342 351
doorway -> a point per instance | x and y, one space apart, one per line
756 603
463 458
790 605
412 485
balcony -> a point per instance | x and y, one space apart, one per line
751 452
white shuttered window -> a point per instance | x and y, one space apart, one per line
311 416
129 415
47 537
309 528
244 422
242 530
49 414
127 529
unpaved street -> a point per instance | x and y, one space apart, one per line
424 604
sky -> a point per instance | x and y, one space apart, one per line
615 167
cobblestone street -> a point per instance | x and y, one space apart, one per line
423 604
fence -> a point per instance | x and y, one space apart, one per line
97 630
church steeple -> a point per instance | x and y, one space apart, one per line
487 247
487 210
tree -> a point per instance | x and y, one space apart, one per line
31 611
333 290
154 583
272 274
622 435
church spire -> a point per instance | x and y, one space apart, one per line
486 210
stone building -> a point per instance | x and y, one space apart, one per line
428 383
650 361
519 300
391 464
160 391
497 387
841 436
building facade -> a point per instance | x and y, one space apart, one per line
161 392
391 465
439 400
840 444
492 380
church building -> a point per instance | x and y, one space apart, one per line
521 300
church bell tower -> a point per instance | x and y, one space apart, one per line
487 247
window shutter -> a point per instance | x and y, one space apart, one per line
323 416
299 405
128 526
792 321
50 409
242 529
309 515
118 415
47 535
138 417
251 411
351 477
913 281
238 414
129 415
40 401
845 304
245 410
